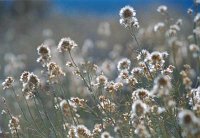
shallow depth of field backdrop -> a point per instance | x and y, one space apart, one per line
105 85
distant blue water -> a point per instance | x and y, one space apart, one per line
112 6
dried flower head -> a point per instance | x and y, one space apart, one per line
128 19
190 11
101 80
24 76
162 9
54 71
106 104
140 94
105 134
66 44
78 102
139 108
159 26
67 107
44 53
30 85
197 18
142 131
127 12
8 83
189 121
83 132
137 71
124 64
14 125
162 85
132 81
110 87
72 132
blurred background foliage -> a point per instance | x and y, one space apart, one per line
25 24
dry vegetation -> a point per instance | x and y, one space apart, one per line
134 92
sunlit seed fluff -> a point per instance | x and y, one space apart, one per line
127 12
164 54
162 86
31 85
54 71
72 132
44 53
69 64
194 48
101 80
143 54
118 86
78 102
139 108
34 80
159 26
195 97
156 57
197 31
162 9
197 18
66 107
97 129
8 83
132 81
106 134
106 104
43 50
140 94
128 19
175 27
83 132
14 125
66 44
124 64
190 11
110 87
130 22
24 76
124 74
137 71
163 82
187 118
179 22
142 131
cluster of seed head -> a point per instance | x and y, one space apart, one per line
186 73
30 83
162 86
106 104
44 53
55 72
194 97
128 17
14 125
83 132
106 134
189 122
112 87
78 102
66 45
8 83
67 107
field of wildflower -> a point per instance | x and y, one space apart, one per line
148 88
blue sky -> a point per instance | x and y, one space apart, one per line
110 6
